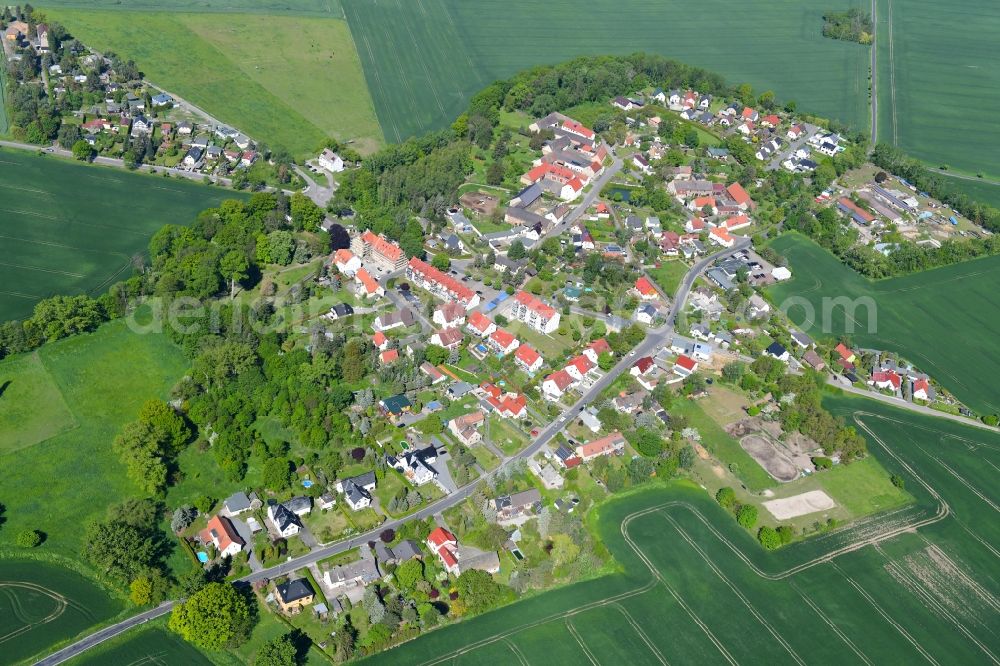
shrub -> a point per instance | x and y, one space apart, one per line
786 533
746 516
768 538
897 481
991 419
28 538
726 497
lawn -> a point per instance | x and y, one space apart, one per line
862 487
927 52
253 83
59 480
423 60
42 604
823 600
67 228
936 319
669 275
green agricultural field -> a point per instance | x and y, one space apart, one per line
59 471
937 70
42 604
67 228
327 8
147 646
981 191
285 81
912 584
423 59
936 319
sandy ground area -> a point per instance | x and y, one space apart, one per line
799 505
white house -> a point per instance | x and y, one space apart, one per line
284 521
331 161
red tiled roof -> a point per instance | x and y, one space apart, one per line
389 355
644 287
686 362
221 530
644 364
887 376
342 256
440 536
527 355
601 446
844 352
722 234
738 194
532 303
571 125
449 336
479 321
385 247
379 339
371 286
561 379
599 346
431 274
503 338
921 385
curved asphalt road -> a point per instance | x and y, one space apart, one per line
656 338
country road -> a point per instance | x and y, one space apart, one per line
656 338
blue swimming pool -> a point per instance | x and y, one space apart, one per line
202 556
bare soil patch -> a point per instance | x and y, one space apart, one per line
799 505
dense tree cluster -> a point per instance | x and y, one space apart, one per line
853 25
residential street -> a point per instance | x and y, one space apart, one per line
588 199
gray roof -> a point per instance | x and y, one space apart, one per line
282 517
293 590
299 504
407 550
366 479
354 492
237 502
364 569
458 389
528 195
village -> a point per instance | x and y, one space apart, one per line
517 351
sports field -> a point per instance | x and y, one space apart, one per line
937 318
288 81
424 58
61 409
912 585
939 70
67 228
42 604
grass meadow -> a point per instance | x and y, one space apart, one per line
62 409
42 604
935 318
938 69
288 81
908 585
981 191
423 59
67 228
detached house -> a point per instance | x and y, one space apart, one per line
357 490
221 534
466 427
415 465
449 314
556 384
449 338
645 289
503 342
528 359
481 325
613 444
284 521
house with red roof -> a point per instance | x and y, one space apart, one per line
645 289
642 366
479 324
367 285
571 126
556 385
380 341
528 359
534 312
749 114
685 365
594 350
845 353
440 284
794 132
721 236
922 390
346 262
580 366
221 534
388 356
856 212
444 544
740 197
736 222
613 444
503 342
770 120
509 405
602 210
699 203
670 243
449 338
886 379
379 250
